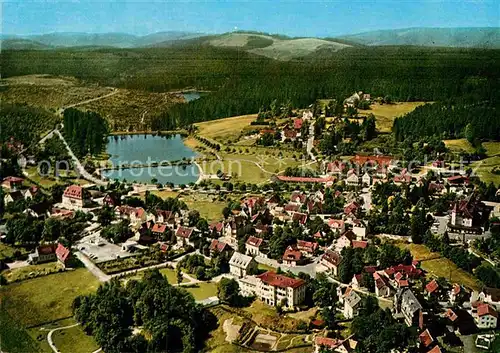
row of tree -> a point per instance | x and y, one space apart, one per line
86 132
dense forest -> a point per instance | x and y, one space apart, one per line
451 120
24 124
168 316
85 131
242 83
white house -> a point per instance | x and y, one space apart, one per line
274 289
486 316
352 303
240 264
366 179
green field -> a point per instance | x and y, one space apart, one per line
202 290
459 145
484 168
37 301
74 340
7 251
21 273
13 337
386 113
438 266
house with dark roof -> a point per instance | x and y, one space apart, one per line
352 304
466 216
407 306
219 247
331 260
39 210
12 197
292 257
254 246
43 253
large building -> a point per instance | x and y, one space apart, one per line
75 196
241 265
274 289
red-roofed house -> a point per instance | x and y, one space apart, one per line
75 196
432 287
159 230
12 183
486 316
382 287
436 349
301 218
450 314
216 228
63 254
425 339
136 215
274 289
359 244
288 133
337 225
184 235
331 260
297 124
253 246
219 247
307 247
352 209
292 257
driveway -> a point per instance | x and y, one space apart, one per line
96 271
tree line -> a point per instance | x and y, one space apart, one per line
451 120
85 131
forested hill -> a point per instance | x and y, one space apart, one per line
242 82
451 120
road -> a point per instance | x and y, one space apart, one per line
49 336
113 92
310 141
96 271
79 167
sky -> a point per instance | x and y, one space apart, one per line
290 17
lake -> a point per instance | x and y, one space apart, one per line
146 149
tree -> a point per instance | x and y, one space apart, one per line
179 275
470 134
228 291
105 216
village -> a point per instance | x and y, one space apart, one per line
329 235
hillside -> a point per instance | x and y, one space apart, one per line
275 47
67 39
438 37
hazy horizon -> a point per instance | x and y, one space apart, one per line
292 18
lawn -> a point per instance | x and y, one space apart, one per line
459 145
265 267
484 168
225 129
7 251
202 290
267 317
37 301
421 252
22 273
445 268
441 267
211 210
74 340
167 272
161 193
385 114
13 337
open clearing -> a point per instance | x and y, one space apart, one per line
459 145
74 340
484 168
202 290
37 301
385 114
127 110
21 273
225 129
441 267
208 206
